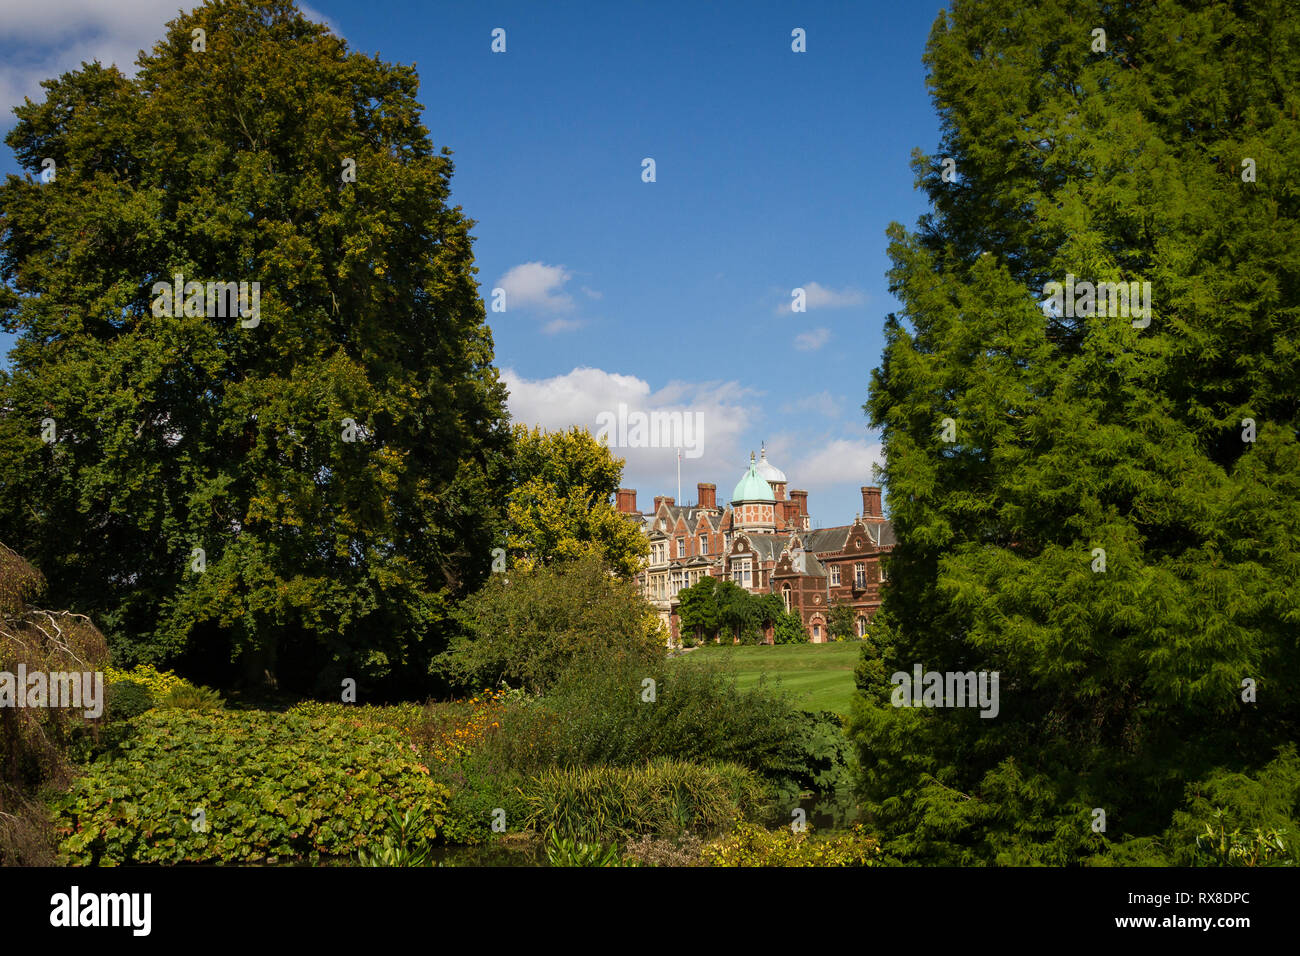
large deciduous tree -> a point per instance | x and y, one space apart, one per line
300 490
526 627
1105 512
561 506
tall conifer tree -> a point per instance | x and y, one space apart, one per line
1103 511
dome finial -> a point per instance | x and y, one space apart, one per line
751 457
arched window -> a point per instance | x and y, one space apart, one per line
785 596
862 627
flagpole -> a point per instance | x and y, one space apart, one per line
679 476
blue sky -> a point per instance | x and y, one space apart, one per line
775 170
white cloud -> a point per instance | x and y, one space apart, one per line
733 424
47 39
811 340
818 296
842 460
723 410
538 285
592 293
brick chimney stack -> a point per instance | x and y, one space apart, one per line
871 502
708 494
626 499
663 500
801 499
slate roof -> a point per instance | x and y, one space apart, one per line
825 539
768 546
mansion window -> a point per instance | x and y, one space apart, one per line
835 575
681 547
677 582
862 627
704 544
785 596
741 573
860 575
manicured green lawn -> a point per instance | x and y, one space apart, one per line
817 676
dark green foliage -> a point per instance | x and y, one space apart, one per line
788 628
599 714
824 757
711 609
1121 688
126 699
738 613
697 611
325 558
271 787
478 790
525 627
842 622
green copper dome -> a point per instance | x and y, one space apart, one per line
752 487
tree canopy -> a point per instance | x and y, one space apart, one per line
561 506
301 487
527 627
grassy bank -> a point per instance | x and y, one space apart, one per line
817 676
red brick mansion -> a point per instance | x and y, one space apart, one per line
763 542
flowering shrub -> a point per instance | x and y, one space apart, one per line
454 734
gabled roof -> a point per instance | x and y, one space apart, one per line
767 546
690 514
826 539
